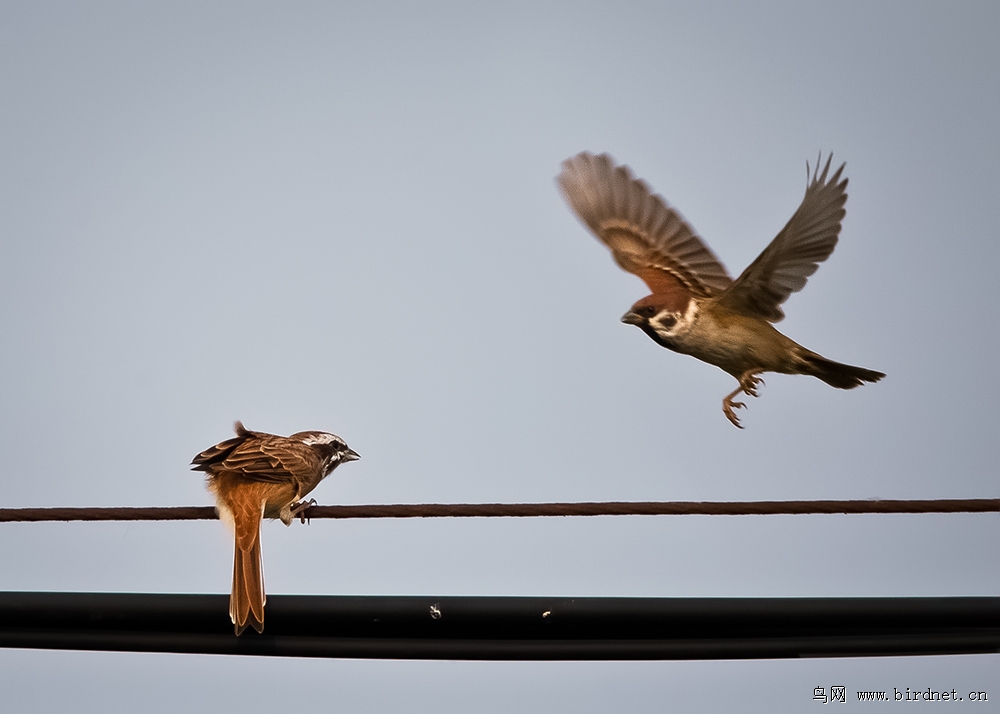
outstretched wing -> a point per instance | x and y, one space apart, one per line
646 237
795 254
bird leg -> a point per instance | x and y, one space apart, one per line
748 385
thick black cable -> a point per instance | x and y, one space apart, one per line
507 628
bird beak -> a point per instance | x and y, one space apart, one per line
630 318
350 455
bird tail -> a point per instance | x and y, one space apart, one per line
841 376
246 604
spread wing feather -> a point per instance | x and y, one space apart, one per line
807 240
646 237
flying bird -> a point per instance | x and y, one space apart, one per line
257 475
695 307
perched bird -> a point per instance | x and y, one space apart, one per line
695 307
255 476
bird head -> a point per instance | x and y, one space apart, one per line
333 451
658 318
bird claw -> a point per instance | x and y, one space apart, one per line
727 408
748 384
298 510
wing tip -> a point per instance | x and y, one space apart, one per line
815 178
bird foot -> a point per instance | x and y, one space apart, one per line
297 510
748 384
728 405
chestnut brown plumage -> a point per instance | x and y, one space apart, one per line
695 307
257 475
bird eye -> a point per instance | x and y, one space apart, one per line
647 311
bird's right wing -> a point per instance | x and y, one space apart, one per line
259 457
807 240
213 455
274 460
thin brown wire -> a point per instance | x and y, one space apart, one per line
529 510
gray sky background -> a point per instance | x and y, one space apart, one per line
342 216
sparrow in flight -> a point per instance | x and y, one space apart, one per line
695 307
255 476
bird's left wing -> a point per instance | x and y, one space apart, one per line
646 236
807 240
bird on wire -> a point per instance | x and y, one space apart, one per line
695 307
254 476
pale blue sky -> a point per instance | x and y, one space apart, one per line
310 216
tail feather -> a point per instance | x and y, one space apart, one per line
246 604
841 376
